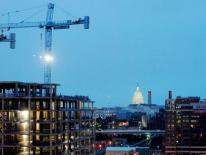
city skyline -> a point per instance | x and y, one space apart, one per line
158 44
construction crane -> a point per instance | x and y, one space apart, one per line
48 25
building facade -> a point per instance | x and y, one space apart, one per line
35 120
185 126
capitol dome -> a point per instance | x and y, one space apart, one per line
138 97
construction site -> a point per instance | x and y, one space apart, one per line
34 117
35 120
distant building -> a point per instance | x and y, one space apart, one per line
138 119
157 121
185 126
35 120
123 114
138 104
137 114
131 151
146 108
121 151
106 112
138 97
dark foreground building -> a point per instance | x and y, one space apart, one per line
35 120
185 126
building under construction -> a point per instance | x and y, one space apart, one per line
35 120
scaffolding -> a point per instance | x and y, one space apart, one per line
35 120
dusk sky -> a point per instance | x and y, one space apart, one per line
158 44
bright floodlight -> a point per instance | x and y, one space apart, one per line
48 58
25 115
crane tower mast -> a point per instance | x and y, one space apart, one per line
48 42
49 25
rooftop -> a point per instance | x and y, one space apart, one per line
125 148
25 83
18 89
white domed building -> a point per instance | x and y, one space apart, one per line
137 100
138 104
138 97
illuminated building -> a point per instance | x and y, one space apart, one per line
35 120
185 126
138 97
137 114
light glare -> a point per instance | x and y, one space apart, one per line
24 125
25 115
48 58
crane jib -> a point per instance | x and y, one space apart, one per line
48 25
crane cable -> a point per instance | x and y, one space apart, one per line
8 14
29 17
35 7
65 11
22 10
